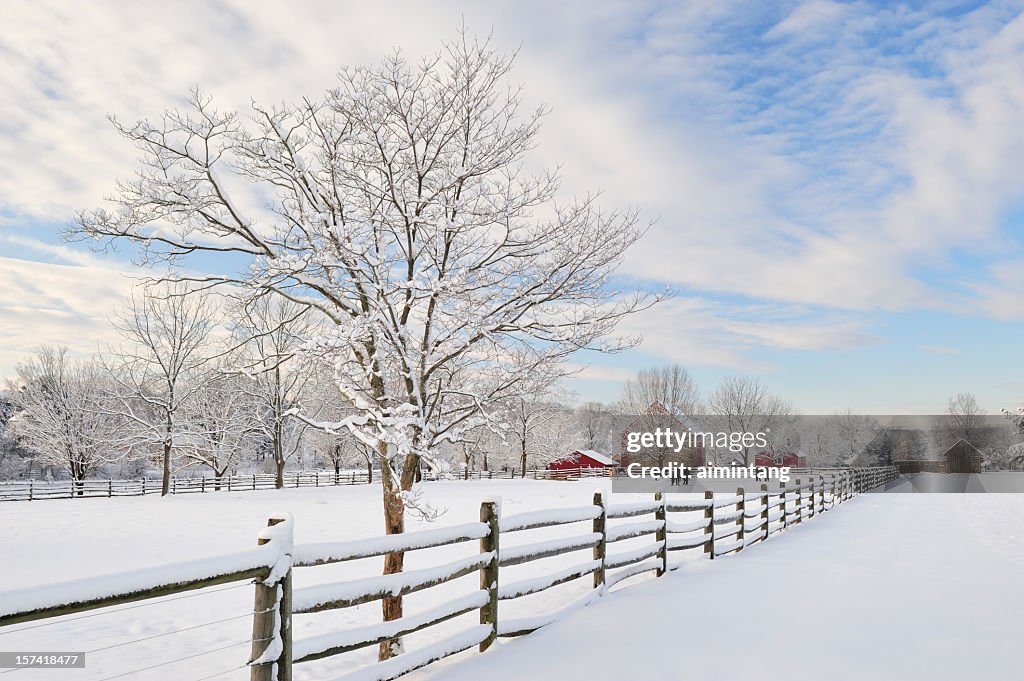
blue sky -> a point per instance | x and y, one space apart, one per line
836 187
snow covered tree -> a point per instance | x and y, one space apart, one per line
744 405
594 421
963 419
220 424
540 430
270 330
166 332
1014 456
61 417
670 386
853 432
401 209
10 463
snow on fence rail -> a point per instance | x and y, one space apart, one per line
716 526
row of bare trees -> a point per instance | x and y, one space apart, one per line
196 380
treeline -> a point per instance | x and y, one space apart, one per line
209 385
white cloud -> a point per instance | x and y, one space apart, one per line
697 331
816 177
44 303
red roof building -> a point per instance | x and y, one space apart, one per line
582 458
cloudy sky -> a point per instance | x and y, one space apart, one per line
838 188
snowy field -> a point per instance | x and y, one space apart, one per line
894 587
875 590
53 541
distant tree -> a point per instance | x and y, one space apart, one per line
269 332
963 419
670 386
220 424
166 333
10 463
594 421
911 445
61 416
531 421
1014 454
744 405
880 450
853 432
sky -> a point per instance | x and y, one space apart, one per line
836 188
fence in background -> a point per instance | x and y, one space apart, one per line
714 526
36 490
921 466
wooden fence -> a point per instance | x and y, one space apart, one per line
713 525
37 490
921 466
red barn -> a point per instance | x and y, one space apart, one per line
582 458
789 459
794 460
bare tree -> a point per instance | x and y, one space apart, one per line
166 332
532 420
402 211
852 433
61 417
1014 454
595 424
744 405
963 418
670 386
220 424
270 332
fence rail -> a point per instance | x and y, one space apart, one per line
715 526
37 490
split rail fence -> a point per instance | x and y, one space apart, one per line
715 526
37 490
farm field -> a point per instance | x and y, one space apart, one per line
892 587
912 568
53 541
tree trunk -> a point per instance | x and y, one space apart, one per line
165 476
522 458
217 475
278 454
394 523
369 471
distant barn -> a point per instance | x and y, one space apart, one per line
962 457
765 459
582 458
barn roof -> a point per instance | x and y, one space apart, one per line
597 456
957 444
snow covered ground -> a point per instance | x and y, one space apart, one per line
894 586
52 541
876 590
